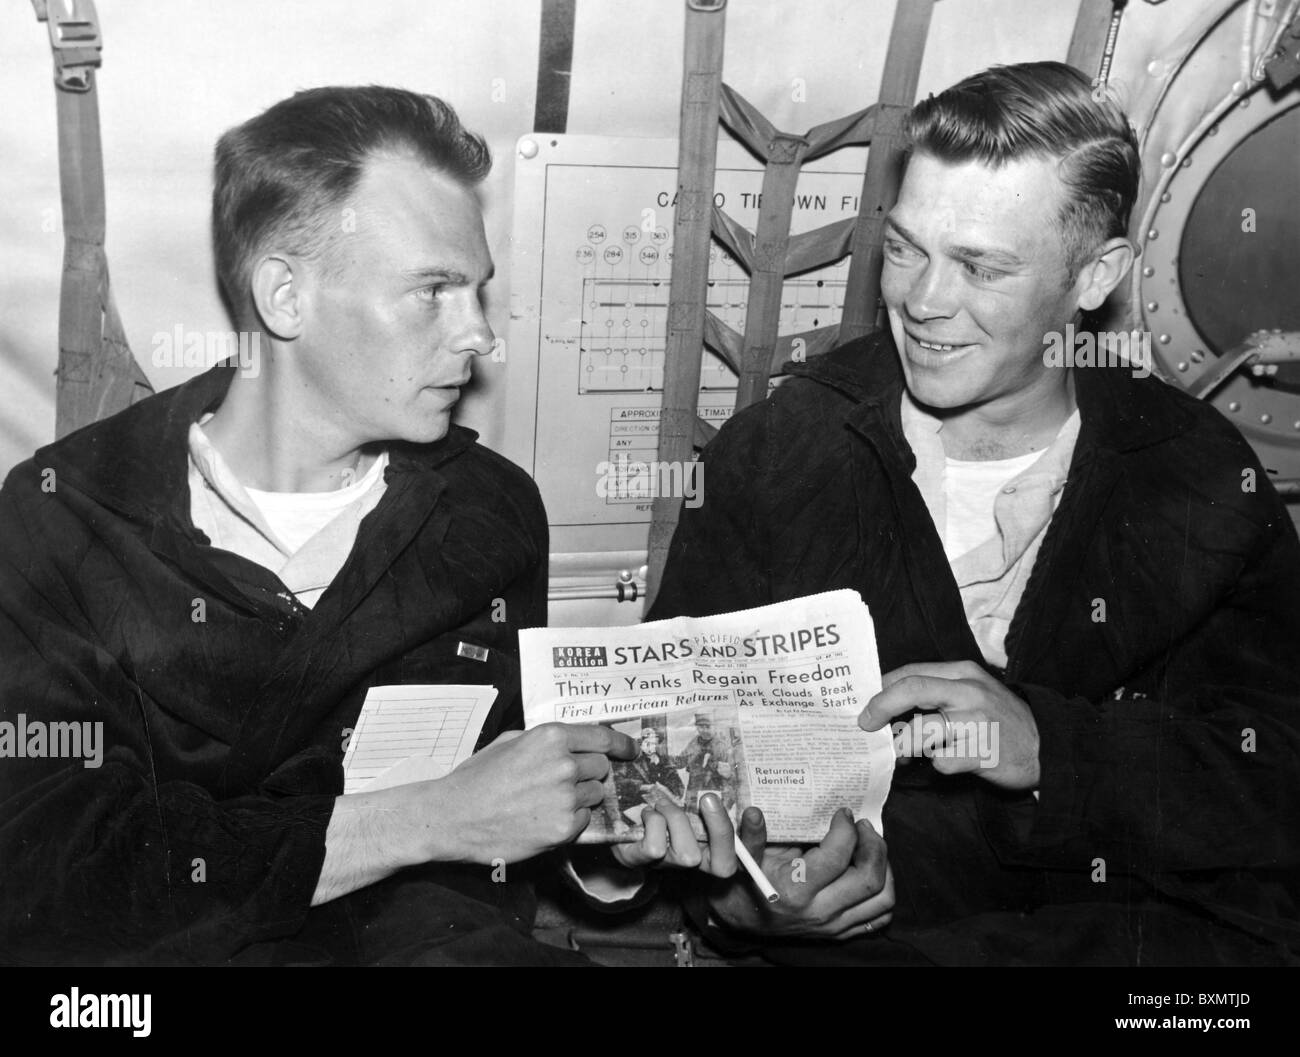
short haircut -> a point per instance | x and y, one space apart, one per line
282 177
1041 110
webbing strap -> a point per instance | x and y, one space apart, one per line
883 176
554 66
1095 27
97 375
697 156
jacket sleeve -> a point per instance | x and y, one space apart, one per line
1197 771
105 857
716 562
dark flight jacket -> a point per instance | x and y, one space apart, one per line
225 703
1169 715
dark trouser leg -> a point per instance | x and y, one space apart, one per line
425 916
957 905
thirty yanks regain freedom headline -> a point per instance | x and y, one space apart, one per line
759 706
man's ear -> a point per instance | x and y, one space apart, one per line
277 297
1103 272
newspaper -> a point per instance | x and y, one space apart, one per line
759 706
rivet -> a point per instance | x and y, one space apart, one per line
1153 306
1239 87
1148 271
1182 365
1266 418
1165 197
1163 339
1153 234
1187 162
1156 69
1168 159
528 148
1234 406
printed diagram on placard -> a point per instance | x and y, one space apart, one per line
593 255
625 310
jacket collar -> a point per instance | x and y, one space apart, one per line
1117 411
137 461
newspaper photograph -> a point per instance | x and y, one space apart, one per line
759 706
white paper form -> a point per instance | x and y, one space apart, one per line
413 734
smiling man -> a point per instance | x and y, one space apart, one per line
220 573
1085 561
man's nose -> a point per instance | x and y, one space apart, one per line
932 294
476 336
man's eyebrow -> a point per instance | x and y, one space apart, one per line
451 276
984 255
1002 258
892 223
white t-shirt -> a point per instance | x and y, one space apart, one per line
295 517
991 516
970 489
303 537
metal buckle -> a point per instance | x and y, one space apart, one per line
683 951
75 40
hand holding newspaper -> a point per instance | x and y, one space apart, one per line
759 706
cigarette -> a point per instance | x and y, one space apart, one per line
754 871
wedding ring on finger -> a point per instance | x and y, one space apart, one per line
947 728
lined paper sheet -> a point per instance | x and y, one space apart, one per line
413 734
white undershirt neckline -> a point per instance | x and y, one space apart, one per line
970 490
303 537
295 517
990 530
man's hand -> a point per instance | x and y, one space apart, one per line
968 697
670 841
525 793
841 889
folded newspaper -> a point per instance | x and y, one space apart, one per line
759 706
